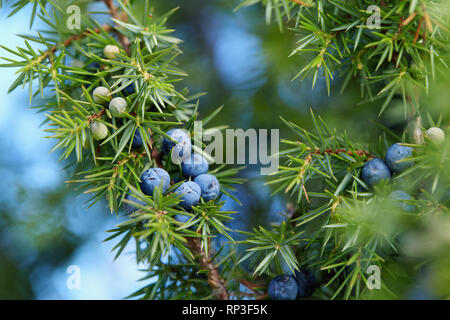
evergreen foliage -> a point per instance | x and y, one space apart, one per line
340 225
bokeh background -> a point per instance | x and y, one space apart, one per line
241 63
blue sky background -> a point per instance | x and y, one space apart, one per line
27 161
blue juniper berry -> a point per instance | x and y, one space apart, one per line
209 185
93 65
194 165
190 194
182 149
400 195
138 142
374 171
130 89
282 287
151 178
395 153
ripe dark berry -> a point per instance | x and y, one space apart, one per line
194 165
190 194
396 153
209 185
182 149
138 142
282 287
374 171
94 65
130 89
151 178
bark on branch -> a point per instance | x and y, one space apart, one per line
214 279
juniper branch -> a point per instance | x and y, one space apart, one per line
71 39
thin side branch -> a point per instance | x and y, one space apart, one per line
96 115
69 40
349 152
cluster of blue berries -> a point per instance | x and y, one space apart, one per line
194 166
289 287
376 170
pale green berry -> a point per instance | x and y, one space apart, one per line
101 95
110 51
118 107
436 135
99 130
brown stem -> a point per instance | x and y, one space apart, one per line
302 3
416 35
69 40
214 279
251 285
255 287
349 152
122 17
96 115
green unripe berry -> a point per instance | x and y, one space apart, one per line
118 107
436 135
101 95
99 130
110 51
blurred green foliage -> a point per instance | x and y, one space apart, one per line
218 46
